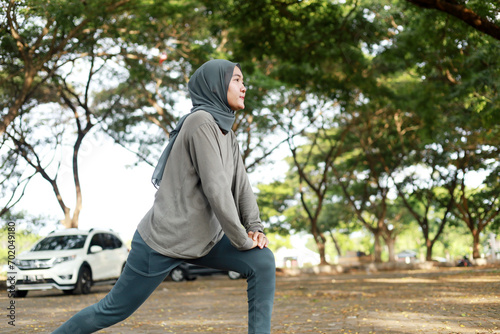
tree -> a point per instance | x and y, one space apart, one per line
40 40
34 52
372 157
338 221
35 148
13 184
429 204
433 198
313 165
451 84
480 206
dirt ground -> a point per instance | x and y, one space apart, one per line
451 300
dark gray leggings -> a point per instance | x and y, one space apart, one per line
146 269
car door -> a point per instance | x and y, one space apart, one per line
98 261
113 255
120 253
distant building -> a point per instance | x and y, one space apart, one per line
407 256
296 257
494 247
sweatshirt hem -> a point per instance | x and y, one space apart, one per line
151 243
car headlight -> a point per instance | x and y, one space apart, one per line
63 259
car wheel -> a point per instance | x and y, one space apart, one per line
20 293
178 275
234 275
84 282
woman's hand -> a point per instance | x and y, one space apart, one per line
259 239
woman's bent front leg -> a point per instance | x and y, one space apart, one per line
259 267
261 286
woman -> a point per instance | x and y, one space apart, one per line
204 211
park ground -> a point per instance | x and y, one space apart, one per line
441 300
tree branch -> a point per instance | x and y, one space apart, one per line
462 13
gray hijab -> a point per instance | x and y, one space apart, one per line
208 90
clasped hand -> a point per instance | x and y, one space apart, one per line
259 239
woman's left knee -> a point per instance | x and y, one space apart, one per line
266 261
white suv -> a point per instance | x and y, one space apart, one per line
71 260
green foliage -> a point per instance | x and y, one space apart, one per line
273 200
411 239
24 239
452 66
276 241
455 243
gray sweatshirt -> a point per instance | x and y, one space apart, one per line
204 193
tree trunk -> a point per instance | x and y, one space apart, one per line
475 245
377 251
67 221
336 243
322 255
390 242
428 245
320 240
76 176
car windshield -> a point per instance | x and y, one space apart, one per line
61 242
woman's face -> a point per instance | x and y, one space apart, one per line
236 91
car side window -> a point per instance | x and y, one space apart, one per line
96 240
106 241
110 241
116 241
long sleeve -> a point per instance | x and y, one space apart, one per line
243 193
207 157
